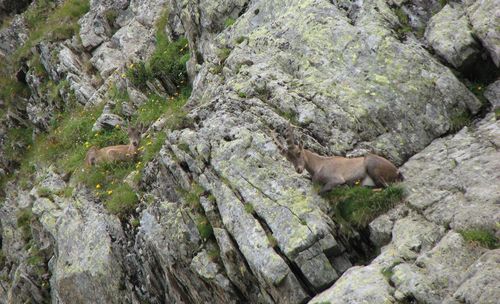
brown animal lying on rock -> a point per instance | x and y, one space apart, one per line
116 153
370 170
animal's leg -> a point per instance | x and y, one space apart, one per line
333 182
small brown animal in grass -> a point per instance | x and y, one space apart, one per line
116 153
370 170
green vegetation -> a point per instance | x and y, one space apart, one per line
122 202
2 259
229 22
460 119
481 237
404 22
497 113
442 3
360 205
24 217
168 63
51 24
223 54
273 242
44 192
204 227
249 208
242 94
240 39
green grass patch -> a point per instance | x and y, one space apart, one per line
497 113
223 54
122 201
240 39
24 217
481 237
460 119
404 22
360 205
204 227
229 22
167 63
48 22
44 192
249 208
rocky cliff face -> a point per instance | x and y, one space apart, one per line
221 216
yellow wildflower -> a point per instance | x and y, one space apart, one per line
358 182
110 192
117 127
149 143
97 134
123 75
98 186
131 66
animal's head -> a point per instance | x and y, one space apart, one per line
134 134
294 153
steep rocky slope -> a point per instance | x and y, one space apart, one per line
221 216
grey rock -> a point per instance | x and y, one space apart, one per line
380 230
492 93
450 35
358 285
479 283
453 181
107 121
485 27
13 36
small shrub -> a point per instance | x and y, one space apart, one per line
223 54
213 254
204 227
460 119
3 259
184 147
242 94
24 217
273 242
44 192
360 205
249 208
111 16
135 222
481 237
139 75
240 39
229 22
122 202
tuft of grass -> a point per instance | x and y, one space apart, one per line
404 22
167 63
442 3
481 237
24 217
122 201
223 54
273 242
360 205
3 259
204 227
240 39
242 94
229 22
249 208
184 147
17 141
135 222
44 192
497 113
460 119
51 24
214 254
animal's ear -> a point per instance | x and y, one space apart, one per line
301 146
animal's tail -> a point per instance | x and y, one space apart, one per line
400 177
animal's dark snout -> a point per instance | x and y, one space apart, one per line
135 143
